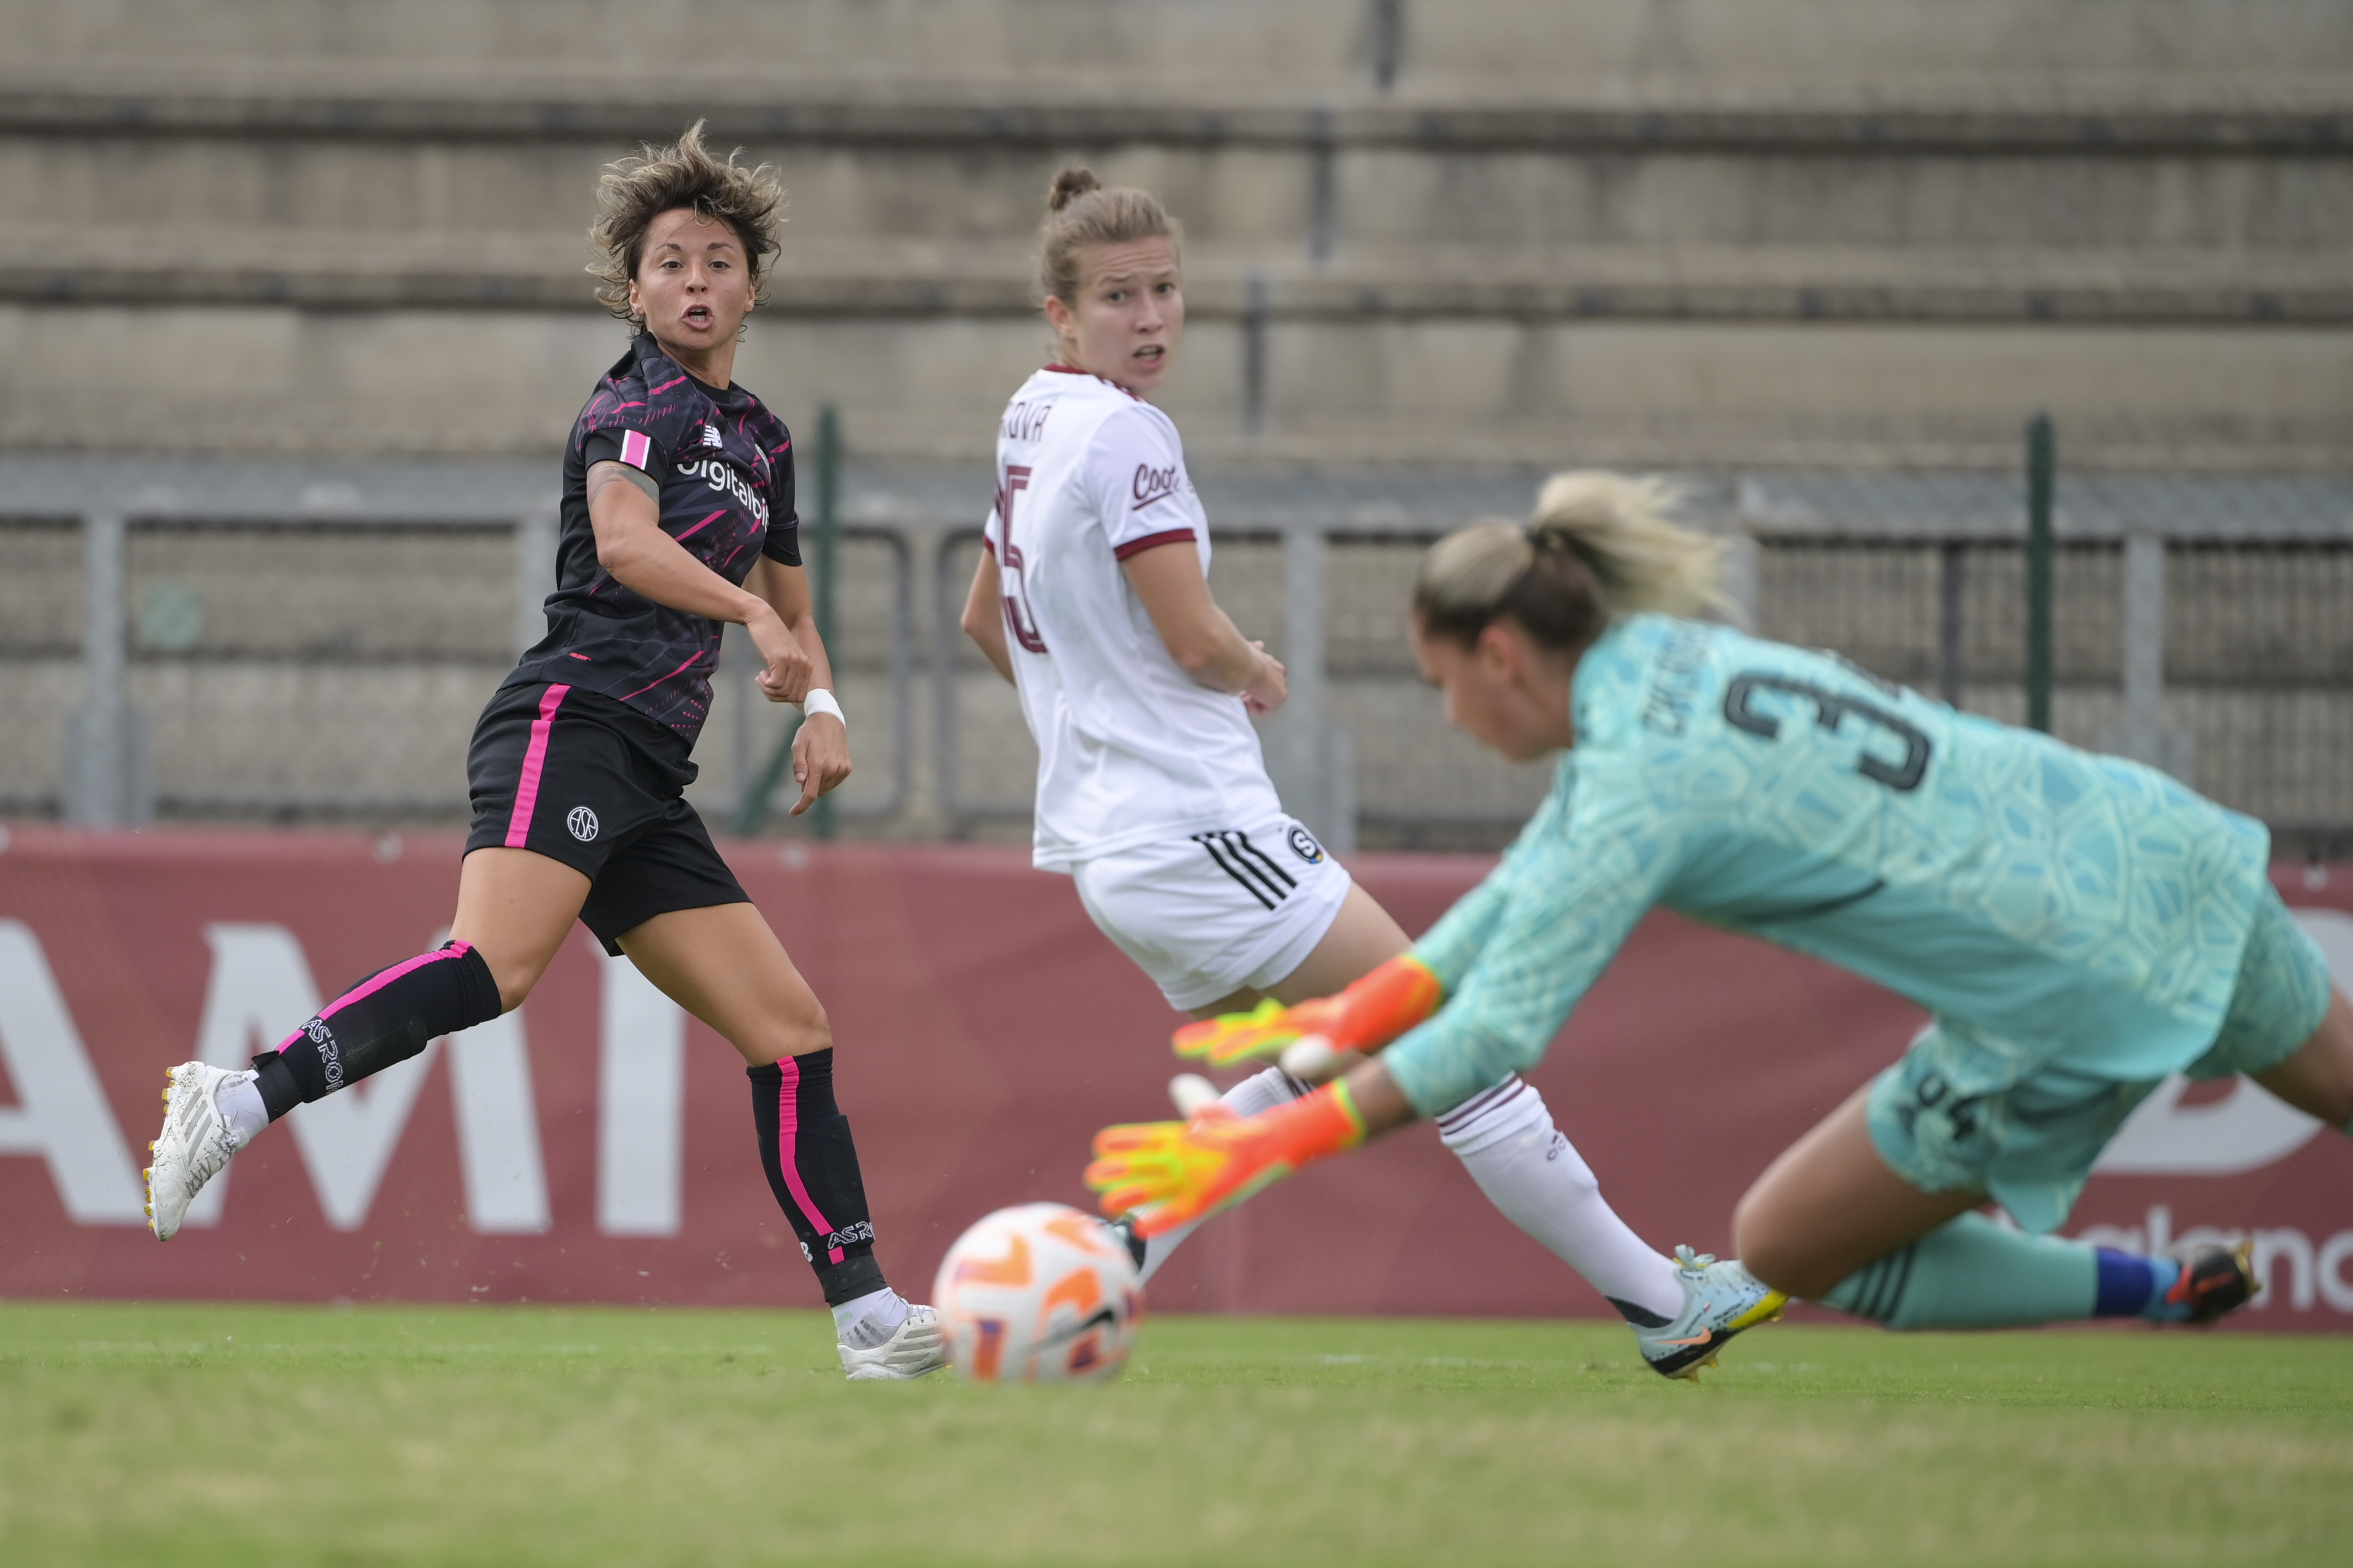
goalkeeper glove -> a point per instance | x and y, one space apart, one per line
1177 1172
1366 1017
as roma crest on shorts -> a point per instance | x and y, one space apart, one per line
583 823
1303 844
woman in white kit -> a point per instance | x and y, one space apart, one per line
1092 598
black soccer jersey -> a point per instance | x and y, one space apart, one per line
724 465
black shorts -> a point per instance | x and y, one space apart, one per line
579 777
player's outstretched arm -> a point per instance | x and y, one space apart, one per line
1176 1171
1368 1015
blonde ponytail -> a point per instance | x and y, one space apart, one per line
1624 527
1601 546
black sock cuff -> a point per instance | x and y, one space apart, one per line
816 1089
856 1275
812 1082
274 1082
478 988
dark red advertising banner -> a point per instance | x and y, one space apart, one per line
598 1146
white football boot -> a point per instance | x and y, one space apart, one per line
915 1347
196 1143
1719 1300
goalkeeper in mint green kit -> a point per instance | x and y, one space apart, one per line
2078 928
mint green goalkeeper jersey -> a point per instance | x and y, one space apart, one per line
2087 908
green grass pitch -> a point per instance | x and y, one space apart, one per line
248 1436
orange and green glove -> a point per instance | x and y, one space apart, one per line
1366 1017
1176 1171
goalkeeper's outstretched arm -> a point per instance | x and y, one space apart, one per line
1176 1172
1367 1015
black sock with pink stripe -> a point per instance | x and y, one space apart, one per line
813 1168
388 1017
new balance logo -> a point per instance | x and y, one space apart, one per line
1247 864
710 435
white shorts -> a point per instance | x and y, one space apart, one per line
1217 912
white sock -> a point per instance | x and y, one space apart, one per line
239 1103
1528 1169
864 1321
1260 1091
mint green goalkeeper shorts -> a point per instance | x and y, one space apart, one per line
1966 1110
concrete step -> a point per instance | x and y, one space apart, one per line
375 104
1301 46
1771 231
892 277
2205 172
1331 393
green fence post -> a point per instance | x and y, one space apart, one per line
2040 460
754 809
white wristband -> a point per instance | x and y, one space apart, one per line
820 701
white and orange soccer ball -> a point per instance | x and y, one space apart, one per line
1038 1293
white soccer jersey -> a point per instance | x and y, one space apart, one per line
1130 748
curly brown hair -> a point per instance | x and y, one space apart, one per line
634 191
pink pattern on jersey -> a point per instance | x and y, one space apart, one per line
635 445
698 527
788 1127
681 670
534 760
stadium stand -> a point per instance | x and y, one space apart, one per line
1823 255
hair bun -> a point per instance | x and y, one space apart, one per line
1070 185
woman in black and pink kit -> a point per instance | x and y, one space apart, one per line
677 517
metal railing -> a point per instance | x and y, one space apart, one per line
2199 624
281 597
2195 624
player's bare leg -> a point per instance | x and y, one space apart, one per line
516 906
2318 1079
726 967
1829 1205
513 909
1830 1221
722 965
1505 1138
1362 937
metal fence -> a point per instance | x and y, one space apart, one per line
309 643
2203 625
298 642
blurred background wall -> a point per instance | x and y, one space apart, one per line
293 307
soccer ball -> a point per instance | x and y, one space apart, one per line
1038 1293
